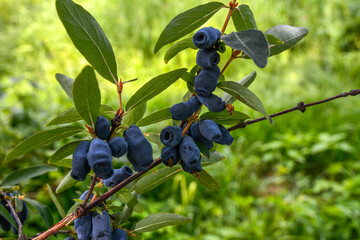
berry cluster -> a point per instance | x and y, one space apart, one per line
97 154
97 226
23 214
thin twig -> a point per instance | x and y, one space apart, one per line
93 181
301 107
17 219
58 232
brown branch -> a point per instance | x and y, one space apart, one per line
301 107
93 181
232 6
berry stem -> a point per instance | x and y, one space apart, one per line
232 57
192 118
93 181
232 6
17 219
119 86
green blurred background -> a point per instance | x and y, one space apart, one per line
297 179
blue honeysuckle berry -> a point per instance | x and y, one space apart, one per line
191 169
83 227
5 224
184 110
139 148
101 226
80 166
213 103
119 176
206 81
171 136
195 133
207 58
226 139
118 146
170 153
23 214
190 153
210 130
206 37
119 234
102 127
99 158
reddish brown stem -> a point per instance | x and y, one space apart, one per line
231 9
93 181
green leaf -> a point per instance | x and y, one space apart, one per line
88 38
73 207
224 117
43 210
66 83
41 139
178 47
154 179
135 115
70 115
246 82
203 149
18 204
243 18
289 35
186 22
252 42
63 152
125 214
66 162
214 158
153 137
87 99
155 117
154 87
207 181
25 174
65 183
131 237
272 40
130 200
7 216
159 220
56 202
244 95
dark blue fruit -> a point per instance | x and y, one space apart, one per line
206 37
193 168
190 154
101 226
102 128
118 146
226 139
139 148
210 130
171 136
170 156
23 214
80 165
206 81
119 234
119 176
99 158
207 58
184 110
196 135
213 103
5 224
83 226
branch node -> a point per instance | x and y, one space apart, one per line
354 92
301 106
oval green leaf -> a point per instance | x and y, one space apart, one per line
65 183
246 82
130 200
225 118
66 83
135 115
43 210
68 116
155 117
153 137
207 181
243 18
186 22
178 47
88 37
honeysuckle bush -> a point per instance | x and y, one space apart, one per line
84 92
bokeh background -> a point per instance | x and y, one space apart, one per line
296 179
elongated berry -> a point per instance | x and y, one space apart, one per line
80 166
184 110
195 133
190 153
99 158
5 224
210 130
119 176
213 103
101 226
118 146
206 81
170 156
119 234
226 138
206 37
207 58
171 136
193 168
139 148
102 128
83 226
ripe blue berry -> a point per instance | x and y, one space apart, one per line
83 226
207 58
99 158
171 136
102 128
210 130
193 168
184 110
196 135
190 154
119 234
119 176
226 139
118 146
101 226
213 103
139 148
168 153
206 81
5 224
206 37
80 165
23 214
